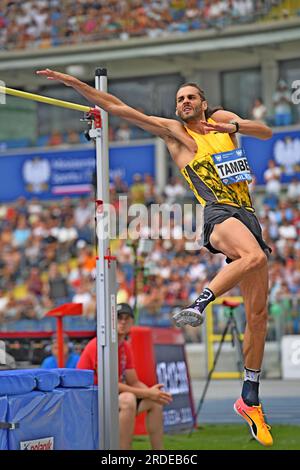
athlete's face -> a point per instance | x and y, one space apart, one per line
189 105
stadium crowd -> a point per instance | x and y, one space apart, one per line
49 23
47 257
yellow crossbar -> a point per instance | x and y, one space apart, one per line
44 99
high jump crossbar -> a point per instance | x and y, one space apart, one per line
44 99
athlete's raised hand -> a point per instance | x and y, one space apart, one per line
224 127
53 75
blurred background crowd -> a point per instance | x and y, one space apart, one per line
43 24
47 257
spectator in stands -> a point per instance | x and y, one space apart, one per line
293 190
259 111
134 396
21 233
35 283
175 191
67 234
83 295
287 230
34 206
154 295
272 177
4 300
87 259
55 138
70 359
13 308
83 217
56 288
282 105
120 186
21 206
73 138
151 193
124 287
137 190
123 132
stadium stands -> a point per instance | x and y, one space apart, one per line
45 270
44 24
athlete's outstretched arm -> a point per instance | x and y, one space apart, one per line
165 128
246 126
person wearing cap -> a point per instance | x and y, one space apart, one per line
134 396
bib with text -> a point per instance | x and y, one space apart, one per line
232 166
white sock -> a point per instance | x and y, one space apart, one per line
251 374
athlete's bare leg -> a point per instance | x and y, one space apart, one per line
248 269
232 238
254 289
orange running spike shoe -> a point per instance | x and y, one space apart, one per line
255 418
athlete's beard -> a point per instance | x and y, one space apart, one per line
197 115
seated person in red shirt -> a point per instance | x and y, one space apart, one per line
134 396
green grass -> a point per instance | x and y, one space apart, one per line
225 437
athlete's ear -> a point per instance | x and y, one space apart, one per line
176 112
204 105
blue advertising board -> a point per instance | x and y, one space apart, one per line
283 148
50 174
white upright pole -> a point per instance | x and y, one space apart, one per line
107 337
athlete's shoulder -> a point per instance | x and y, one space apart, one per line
172 123
180 135
222 115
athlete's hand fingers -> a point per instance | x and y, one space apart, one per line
208 124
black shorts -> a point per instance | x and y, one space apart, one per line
217 213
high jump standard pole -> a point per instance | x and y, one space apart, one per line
107 336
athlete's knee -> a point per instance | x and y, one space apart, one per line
255 260
127 401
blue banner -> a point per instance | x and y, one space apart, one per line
132 159
283 148
50 174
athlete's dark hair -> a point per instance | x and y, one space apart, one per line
209 111
194 85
